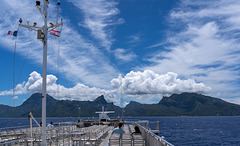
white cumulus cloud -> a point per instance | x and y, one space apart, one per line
149 82
78 92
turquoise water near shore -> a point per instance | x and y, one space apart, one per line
199 131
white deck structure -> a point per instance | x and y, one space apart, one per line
69 134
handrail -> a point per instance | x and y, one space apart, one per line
17 140
148 134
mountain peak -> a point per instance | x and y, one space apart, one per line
33 101
37 97
100 100
184 104
133 103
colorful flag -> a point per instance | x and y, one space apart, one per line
55 33
14 33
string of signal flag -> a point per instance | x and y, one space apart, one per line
53 32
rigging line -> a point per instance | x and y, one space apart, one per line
59 63
53 48
25 59
64 72
58 56
58 3
14 62
51 52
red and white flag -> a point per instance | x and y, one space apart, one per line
55 33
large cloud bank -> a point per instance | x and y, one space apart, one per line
148 82
206 48
78 92
143 84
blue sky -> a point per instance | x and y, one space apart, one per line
138 49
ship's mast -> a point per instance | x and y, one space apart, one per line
44 88
43 35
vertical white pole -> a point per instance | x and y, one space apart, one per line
31 130
57 11
44 133
44 30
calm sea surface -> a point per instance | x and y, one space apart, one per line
186 131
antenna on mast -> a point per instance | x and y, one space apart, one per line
43 35
58 3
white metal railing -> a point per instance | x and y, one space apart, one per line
62 135
127 139
67 134
151 138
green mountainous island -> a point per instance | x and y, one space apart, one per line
185 104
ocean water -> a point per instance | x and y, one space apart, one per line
180 131
199 131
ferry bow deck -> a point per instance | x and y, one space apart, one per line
67 134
